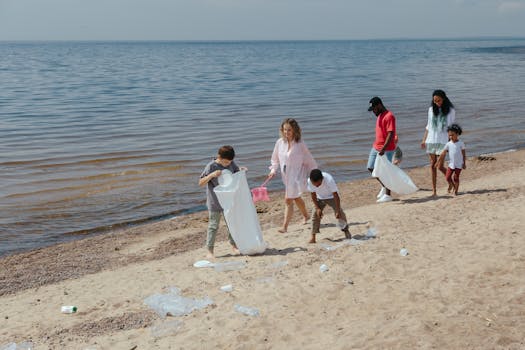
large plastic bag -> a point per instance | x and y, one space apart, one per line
392 177
235 198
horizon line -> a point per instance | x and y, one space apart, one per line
270 40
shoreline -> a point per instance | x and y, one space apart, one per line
460 286
129 225
269 214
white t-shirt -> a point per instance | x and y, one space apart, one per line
455 157
326 189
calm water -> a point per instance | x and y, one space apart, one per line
94 135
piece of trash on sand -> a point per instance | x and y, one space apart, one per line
249 311
323 268
68 309
403 252
174 304
203 263
166 328
229 266
371 232
227 288
279 264
27 345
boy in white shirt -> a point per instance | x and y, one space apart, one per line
324 192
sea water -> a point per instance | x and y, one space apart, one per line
98 135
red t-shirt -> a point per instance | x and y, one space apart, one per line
385 122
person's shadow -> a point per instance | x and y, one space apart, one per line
270 252
428 199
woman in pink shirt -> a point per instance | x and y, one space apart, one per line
294 160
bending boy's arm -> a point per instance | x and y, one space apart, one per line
337 201
205 179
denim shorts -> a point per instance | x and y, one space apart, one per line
373 155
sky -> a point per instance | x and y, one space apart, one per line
259 19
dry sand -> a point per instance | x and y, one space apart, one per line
462 285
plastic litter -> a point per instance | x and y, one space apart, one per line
403 252
227 288
249 311
371 232
68 309
166 328
279 264
235 198
323 268
203 263
173 304
392 176
8 346
27 345
229 266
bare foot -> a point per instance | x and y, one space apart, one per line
281 230
450 187
347 234
305 221
210 255
236 251
434 194
312 240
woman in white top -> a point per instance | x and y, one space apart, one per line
441 115
294 160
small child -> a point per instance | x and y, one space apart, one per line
398 156
324 191
456 154
210 176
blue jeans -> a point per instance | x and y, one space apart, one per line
373 155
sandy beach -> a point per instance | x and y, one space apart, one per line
461 286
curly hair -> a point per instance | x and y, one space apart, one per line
455 128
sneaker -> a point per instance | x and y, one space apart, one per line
381 193
384 199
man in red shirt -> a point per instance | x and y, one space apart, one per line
384 142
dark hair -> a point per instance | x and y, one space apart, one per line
455 128
316 175
295 127
445 107
226 152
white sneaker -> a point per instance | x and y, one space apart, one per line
381 193
384 199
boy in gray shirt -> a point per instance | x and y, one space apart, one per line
209 177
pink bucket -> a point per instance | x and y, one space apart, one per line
260 194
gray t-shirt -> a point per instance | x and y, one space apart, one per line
211 198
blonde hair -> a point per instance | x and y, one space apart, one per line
295 128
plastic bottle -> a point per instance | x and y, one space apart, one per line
323 268
69 309
403 252
227 288
246 310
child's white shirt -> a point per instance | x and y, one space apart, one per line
326 189
454 154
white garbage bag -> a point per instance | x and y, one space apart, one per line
235 198
392 176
